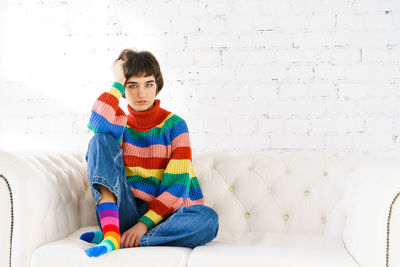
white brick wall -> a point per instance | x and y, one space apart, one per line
246 75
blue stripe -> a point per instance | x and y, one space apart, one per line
178 129
107 206
147 140
147 188
177 190
101 124
195 192
164 139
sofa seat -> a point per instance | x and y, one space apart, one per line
227 249
272 249
70 251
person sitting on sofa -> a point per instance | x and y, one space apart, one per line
140 166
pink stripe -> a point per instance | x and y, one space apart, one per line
109 114
142 195
170 200
109 220
159 151
188 202
181 140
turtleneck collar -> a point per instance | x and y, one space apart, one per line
146 120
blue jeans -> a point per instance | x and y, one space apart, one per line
186 227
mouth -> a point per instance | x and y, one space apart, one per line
141 102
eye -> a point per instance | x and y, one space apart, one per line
149 85
130 86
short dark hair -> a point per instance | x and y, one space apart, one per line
138 63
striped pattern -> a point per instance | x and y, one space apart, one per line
107 116
109 219
92 237
158 160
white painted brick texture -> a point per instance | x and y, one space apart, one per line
246 75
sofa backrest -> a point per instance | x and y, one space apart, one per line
297 192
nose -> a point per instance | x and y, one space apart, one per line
141 92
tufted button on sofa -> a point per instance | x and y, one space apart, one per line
277 209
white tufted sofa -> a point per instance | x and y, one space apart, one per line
279 210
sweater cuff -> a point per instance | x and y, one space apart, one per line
119 86
150 224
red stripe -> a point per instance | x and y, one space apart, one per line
120 112
110 100
183 152
159 208
147 163
110 227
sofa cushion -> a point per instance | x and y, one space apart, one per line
227 249
70 251
272 250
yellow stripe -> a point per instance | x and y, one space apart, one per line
157 173
115 242
113 234
162 123
180 166
115 92
152 215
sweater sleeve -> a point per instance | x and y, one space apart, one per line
175 183
107 116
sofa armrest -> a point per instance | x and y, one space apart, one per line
372 192
5 221
48 189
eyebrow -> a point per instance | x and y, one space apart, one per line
151 81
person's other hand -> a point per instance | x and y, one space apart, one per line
131 238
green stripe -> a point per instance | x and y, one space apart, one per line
169 124
171 179
91 127
195 182
148 221
149 180
109 242
98 237
120 87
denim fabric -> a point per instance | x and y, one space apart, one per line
186 227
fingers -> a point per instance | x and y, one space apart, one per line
129 240
132 241
137 241
123 237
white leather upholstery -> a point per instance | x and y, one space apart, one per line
302 209
271 249
71 252
373 188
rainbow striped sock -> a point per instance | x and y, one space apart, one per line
92 237
109 219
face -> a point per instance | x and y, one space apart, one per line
140 92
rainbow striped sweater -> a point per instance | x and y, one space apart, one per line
156 151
